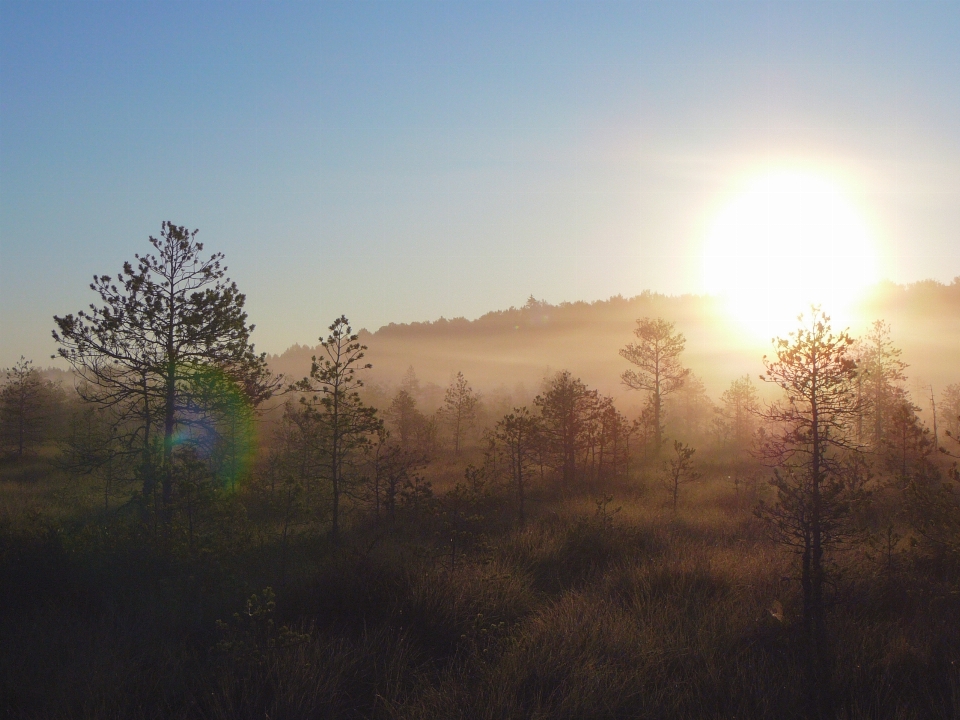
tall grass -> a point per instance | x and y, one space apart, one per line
619 609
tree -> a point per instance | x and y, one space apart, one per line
389 468
164 325
459 408
609 440
934 503
679 470
643 426
739 405
659 372
223 422
949 410
346 424
298 439
26 407
518 433
95 444
881 374
906 441
567 408
411 383
812 431
413 430
691 410
461 511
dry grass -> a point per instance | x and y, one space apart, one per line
636 613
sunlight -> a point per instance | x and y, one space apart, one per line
787 240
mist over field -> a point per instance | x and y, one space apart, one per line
526 345
480 360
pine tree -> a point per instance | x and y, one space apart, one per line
414 432
459 409
518 434
811 435
165 325
567 409
26 408
659 372
739 405
346 424
881 376
679 470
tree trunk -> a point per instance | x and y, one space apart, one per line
169 417
657 434
335 462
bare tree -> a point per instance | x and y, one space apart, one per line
659 372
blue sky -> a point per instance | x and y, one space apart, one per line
401 161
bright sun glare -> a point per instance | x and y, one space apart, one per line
787 240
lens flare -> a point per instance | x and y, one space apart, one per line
220 425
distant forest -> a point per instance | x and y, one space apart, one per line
617 509
523 345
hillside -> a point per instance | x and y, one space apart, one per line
522 345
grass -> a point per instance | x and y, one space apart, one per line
609 610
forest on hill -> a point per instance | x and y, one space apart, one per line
524 345
590 510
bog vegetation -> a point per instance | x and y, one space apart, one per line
185 534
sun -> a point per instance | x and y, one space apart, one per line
787 240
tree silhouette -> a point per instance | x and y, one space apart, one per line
609 440
881 374
679 470
459 408
164 325
811 433
518 433
906 442
949 410
567 409
415 433
659 372
26 405
739 405
346 424
934 502
690 410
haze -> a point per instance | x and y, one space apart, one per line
425 360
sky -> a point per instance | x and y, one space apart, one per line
403 161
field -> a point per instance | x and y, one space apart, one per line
606 604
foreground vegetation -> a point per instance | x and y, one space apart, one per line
595 609
188 535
